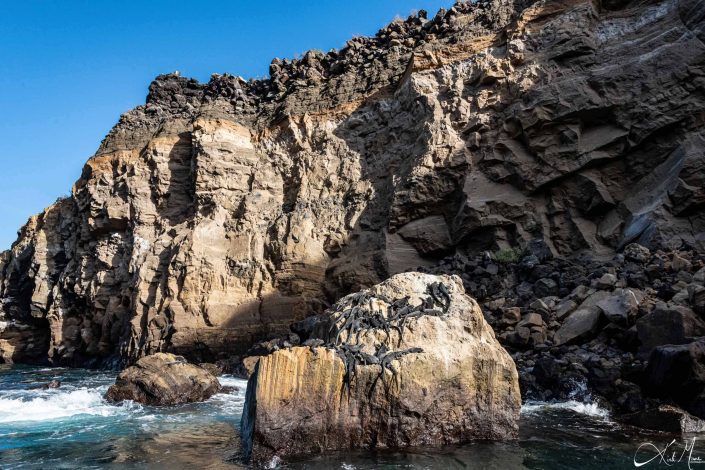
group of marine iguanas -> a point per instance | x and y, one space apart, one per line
361 313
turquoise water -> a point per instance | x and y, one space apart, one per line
73 427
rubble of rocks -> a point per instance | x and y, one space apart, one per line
610 328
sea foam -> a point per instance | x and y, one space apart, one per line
590 409
45 406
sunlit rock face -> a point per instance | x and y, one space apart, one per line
399 374
218 213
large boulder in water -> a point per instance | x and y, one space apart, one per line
408 362
163 379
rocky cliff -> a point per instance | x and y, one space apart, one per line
216 214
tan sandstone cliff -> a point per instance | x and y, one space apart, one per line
218 213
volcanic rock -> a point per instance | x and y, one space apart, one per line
668 324
620 307
163 379
666 418
216 214
677 372
439 376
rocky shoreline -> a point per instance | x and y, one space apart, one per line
634 312
601 324
549 153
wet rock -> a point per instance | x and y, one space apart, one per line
665 418
308 399
49 385
163 379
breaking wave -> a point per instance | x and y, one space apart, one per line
589 409
45 406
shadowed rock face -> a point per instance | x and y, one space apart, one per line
216 214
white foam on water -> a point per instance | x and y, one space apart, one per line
230 381
48 406
274 463
589 409
233 402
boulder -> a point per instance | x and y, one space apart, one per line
540 249
636 252
581 324
607 281
677 372
584 322
665 418
545 287
564 307
620 306
696 297
679 263
510 316
668 324
428 235
435 375
163 379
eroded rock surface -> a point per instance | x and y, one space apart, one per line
409 362
163 379
216 214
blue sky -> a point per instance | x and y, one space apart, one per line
68 69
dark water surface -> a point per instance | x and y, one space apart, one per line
73 427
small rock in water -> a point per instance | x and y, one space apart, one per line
163 379
51 384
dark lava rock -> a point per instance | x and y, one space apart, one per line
668 324
677 372
665 418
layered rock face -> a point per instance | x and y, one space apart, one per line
218 213
409 362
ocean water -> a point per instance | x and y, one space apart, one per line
74 427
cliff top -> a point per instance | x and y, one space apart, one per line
317 80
